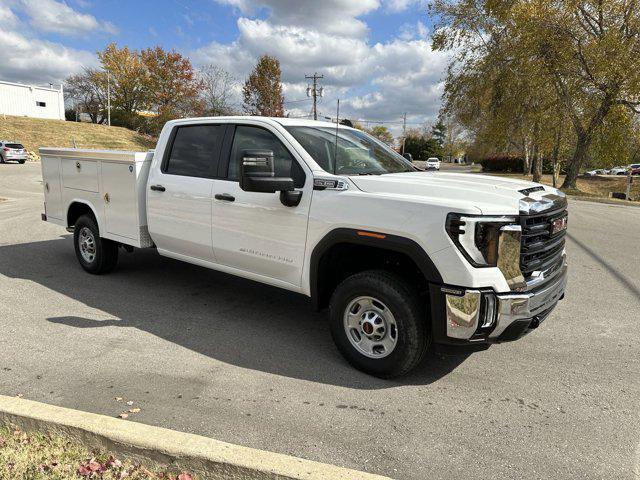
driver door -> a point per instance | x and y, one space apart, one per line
254 231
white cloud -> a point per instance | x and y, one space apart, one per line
30 60
53 16
337 17
374 81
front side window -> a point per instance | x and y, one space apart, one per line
255 138
41 104
195 151
349 152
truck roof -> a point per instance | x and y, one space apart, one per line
284 121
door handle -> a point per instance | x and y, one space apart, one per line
157 188
224 196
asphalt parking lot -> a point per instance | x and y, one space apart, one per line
207 353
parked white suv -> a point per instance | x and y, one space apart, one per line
12 151
401 258
433 163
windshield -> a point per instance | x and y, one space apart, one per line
356 153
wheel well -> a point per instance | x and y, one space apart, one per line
344 259
76 210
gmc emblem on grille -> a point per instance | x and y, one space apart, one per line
558 225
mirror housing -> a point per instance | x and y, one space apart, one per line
257 173
408 156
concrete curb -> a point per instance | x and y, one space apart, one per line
203 456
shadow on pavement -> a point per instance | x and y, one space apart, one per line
224 317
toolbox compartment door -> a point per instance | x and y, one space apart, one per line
52 187
80 174
120 199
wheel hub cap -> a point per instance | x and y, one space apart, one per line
370 327
87 244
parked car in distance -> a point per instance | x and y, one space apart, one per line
433 163
598 171
12 151
618 171
401 259
635 168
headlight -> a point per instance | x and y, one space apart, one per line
477 237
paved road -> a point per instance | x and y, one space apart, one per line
208 353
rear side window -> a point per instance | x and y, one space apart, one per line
13 145
255 138
195 151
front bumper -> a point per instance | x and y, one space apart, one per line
465 316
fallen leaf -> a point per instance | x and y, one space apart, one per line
19 395
134 410
124 415
129 403
118 399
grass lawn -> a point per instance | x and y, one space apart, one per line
34 133
593 187
37 456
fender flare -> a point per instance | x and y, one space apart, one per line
373 239
88 205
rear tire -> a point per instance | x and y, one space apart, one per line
21 162
378 323
96 255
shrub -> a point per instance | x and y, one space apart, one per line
502 162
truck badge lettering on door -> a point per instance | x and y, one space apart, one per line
277 258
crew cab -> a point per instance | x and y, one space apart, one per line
402 258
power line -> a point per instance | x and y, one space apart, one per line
297 101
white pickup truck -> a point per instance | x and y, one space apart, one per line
402 258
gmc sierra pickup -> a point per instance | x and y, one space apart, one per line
402 258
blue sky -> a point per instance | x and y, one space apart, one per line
375 54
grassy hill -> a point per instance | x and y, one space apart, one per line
34 133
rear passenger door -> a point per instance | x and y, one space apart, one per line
180 192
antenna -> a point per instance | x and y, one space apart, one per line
335 154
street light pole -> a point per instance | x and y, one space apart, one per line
108 98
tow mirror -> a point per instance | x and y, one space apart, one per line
257 173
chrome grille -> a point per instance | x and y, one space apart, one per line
541 251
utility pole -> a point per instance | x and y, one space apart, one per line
315 92
108 98
404 130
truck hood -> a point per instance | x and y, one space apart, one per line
491 195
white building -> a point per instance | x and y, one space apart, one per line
31 101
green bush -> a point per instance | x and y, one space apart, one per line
502 162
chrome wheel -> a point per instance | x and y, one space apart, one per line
370 327
87 244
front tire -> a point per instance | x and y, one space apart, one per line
96 255
378 323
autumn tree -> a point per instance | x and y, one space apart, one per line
217 90
262 91
173 85
586 51
382 133
128 77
